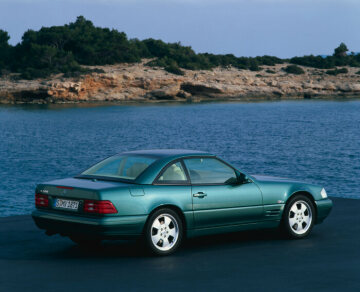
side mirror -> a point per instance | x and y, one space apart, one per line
242 178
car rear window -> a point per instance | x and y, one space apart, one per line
120 167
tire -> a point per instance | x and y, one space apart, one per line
163 232
85 242
299 217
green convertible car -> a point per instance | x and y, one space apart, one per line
163 196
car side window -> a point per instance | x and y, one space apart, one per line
209 171
174 173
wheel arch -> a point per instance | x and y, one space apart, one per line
306 194
172 207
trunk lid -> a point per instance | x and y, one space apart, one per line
77 188
69 194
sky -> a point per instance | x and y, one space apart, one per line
283 28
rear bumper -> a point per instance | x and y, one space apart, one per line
323 209
94 227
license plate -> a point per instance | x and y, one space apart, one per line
66 204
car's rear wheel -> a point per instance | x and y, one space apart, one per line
299 216
163 232
85 242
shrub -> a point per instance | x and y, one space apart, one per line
174 68
314 61
254 66
270 71
337 71
73 74
97 70
358 72
293 69
269 60
32 73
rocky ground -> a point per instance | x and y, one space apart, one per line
141 83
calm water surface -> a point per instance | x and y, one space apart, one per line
315 141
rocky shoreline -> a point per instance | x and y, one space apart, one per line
126 83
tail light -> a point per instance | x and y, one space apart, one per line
41 201
99 207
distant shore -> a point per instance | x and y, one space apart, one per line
138 83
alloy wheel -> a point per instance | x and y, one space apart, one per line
164 232
300 217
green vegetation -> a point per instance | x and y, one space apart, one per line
64 49
337 71
270 71
174 68
358 72
339 58
4 50
293 69
341 50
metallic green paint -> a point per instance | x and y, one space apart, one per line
227 205
259 203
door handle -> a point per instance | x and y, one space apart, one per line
200 195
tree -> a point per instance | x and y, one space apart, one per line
341 50
4 49
4 38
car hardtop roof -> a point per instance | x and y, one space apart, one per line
162 153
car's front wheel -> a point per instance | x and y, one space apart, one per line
299 215
163 232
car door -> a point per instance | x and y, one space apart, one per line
217 200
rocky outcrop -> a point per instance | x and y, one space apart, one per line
138 82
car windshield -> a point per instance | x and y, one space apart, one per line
120 167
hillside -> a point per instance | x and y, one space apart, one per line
138 82
81 62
